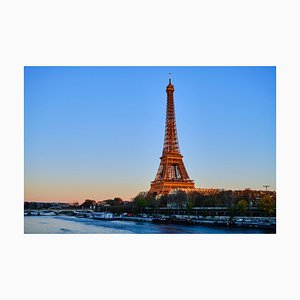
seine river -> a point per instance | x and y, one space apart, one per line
66 224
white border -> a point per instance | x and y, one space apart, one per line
149 33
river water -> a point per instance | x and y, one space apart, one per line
67 224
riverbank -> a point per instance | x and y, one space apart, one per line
265 223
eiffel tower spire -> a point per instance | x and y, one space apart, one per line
171 172
171 141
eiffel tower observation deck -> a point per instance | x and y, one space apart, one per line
171 174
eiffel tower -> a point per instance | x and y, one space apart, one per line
171 174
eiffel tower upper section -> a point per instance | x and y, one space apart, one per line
171 145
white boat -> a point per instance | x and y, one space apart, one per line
47 213
103 216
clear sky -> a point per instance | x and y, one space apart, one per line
97 132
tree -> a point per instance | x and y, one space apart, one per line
152 202
190 202
162 201
232 211
118 201
196 199
242 207
88 203
267 205
141 201
178 199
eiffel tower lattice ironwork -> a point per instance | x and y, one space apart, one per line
171 174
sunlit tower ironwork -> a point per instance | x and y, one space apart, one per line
171 174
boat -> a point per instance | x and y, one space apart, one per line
83 214
48 213
103 216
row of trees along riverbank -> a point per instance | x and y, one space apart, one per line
233 203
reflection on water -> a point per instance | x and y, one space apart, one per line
66 224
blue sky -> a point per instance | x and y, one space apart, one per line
97 132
